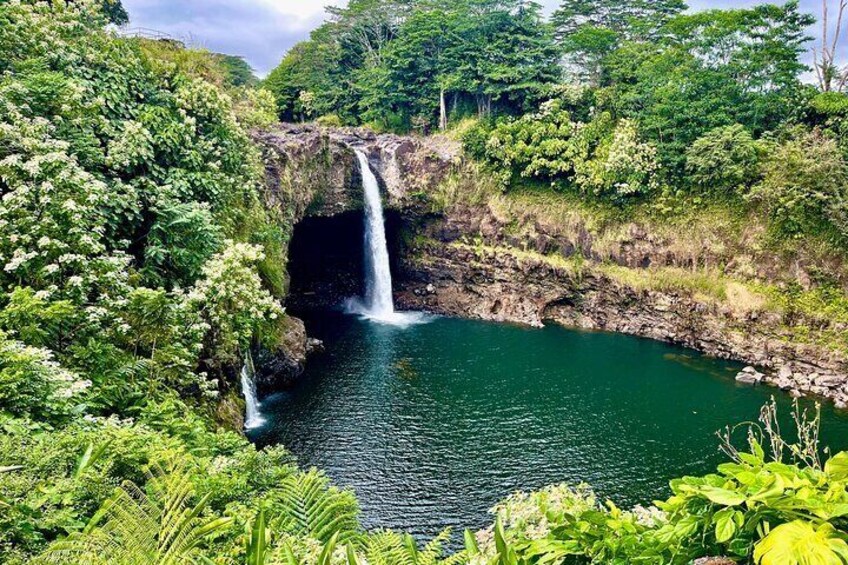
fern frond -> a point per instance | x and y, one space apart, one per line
314 508
134 528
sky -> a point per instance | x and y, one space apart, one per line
263 30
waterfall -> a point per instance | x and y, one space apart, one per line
377 304
253 419
378 276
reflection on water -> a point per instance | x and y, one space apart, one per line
432 424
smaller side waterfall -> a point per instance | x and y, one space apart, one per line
253 419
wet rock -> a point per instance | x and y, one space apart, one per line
714 561
749 375
279 367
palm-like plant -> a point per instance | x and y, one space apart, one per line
137 528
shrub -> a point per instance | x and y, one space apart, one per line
255 107
620 166
231 299
329 121
34 385
805 186
724 160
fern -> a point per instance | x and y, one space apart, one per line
313 508
391 548
134 528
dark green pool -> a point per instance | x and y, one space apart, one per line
432 424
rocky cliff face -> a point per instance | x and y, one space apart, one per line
468 261
314 171
498 285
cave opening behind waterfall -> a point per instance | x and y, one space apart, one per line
327 259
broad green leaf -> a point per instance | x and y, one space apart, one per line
722 496
836 467
727 522
800 543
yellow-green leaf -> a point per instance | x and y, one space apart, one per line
836 467
723 496
800 543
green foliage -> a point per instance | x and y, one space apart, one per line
33 385
233 303
599 158
312 508
799 542
804 186
124 171
630 18
622 165
238 71
724 161
255 107
394 64
164 526
690 84
115 12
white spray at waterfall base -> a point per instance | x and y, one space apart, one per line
252 417
377 304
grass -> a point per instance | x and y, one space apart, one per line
570 265
719 251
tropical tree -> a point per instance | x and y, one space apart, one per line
629 19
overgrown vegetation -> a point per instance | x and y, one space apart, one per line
140 266
648 103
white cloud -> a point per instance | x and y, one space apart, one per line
305 10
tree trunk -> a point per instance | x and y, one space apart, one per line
443 111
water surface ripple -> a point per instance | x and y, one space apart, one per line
433 424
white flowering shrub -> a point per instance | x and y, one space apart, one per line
34 385
255 107
536 145
599 157
121 177
620 166
233 302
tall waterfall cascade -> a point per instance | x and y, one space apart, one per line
378 275
377 304
253 418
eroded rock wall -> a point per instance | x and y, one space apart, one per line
505 282
470 261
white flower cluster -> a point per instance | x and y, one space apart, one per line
41 364
623 165
231 298
132 146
